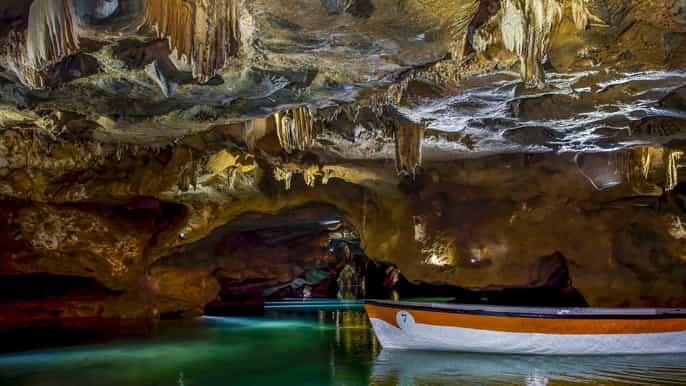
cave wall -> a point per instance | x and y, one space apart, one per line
471 222
129 171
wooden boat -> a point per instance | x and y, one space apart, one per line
523 330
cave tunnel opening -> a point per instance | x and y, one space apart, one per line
315 252
307 252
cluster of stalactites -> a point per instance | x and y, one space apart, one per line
671 163
459 28
15 57
203 33
295 129
51 35
285 173
527 27
407 134
581 14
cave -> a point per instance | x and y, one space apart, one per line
243 181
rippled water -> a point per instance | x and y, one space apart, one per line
309 347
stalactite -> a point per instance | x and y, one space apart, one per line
232 175
174 20
459 28
204 33
671 162
326 176
52 32
15 58
527 27
646 162
310 175
285 175
408 147
581 14
51 35
184 180
31 78
488 34
295 129
195 169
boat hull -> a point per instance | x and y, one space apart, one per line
401 325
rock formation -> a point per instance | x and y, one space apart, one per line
157 157
52 32
204 33
295 129
408 147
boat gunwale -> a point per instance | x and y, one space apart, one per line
537 312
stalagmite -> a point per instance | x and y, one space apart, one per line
204 33
295 129
671 163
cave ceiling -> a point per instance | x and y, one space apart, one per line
149 73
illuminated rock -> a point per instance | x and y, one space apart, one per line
137 136
295 129
203 33
52 32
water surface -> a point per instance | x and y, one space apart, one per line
308 346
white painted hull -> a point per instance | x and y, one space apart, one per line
417 336
521 330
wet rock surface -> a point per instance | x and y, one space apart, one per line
150 166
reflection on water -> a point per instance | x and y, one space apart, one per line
439 368
308 347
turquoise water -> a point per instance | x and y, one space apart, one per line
308 347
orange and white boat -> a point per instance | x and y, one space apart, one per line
524 330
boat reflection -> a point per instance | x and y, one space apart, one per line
409 368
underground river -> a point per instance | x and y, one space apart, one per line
323 343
